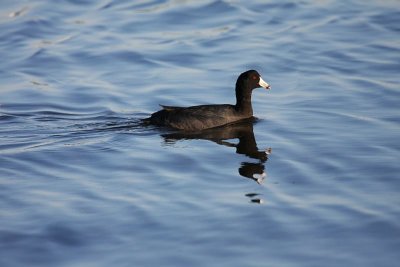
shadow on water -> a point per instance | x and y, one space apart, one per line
246 145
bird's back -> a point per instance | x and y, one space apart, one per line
196 118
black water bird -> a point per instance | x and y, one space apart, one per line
197 118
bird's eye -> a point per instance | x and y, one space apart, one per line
254 77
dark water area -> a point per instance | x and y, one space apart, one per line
313 181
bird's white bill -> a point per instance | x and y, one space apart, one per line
264 84
259 177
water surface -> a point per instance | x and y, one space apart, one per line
84 183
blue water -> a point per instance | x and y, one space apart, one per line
83 183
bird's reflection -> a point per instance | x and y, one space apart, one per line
243 131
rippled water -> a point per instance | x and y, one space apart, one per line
83 183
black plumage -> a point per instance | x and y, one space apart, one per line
197 118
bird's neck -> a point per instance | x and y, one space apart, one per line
243 100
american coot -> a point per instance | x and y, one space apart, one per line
197 118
